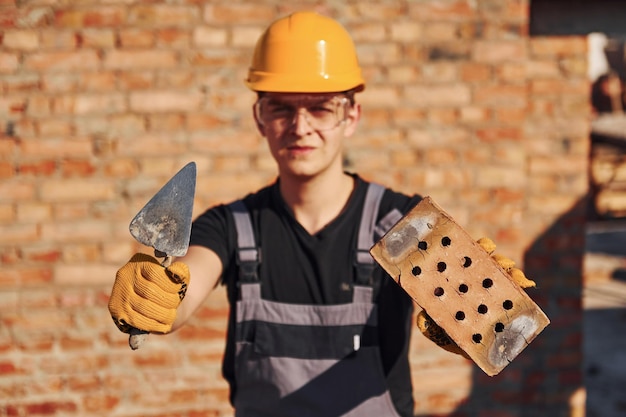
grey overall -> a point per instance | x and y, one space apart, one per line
310 360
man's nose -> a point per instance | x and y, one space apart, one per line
300 123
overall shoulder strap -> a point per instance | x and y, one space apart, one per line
364 263
369 230
248 253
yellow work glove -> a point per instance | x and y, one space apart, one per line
507 264
145 295
432 331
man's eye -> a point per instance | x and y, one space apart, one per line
320 109
279 109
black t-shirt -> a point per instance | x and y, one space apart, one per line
301 268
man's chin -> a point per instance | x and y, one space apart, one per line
300 171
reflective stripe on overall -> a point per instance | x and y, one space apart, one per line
310 360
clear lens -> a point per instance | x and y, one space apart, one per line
321 112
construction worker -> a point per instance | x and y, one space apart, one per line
315 327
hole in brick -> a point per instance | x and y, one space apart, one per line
416 270
477 337
439 291
499 327
445 241
507 304
422 245
467 261
487 283
441 266
463 288
459 315
482 309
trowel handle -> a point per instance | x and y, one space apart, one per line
167 261
137 337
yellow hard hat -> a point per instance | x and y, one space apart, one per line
305 52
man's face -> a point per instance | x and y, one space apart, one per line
305 131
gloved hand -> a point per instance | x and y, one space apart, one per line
431 330
507 264
434 332
145 295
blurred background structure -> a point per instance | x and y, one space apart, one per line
485 105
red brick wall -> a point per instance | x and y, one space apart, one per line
102 101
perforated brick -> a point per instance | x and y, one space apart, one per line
460 286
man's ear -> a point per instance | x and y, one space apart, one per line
352 121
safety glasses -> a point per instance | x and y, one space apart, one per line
321 112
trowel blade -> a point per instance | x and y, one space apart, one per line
164 223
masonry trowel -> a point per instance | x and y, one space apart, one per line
164 224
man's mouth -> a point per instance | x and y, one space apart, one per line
299 149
